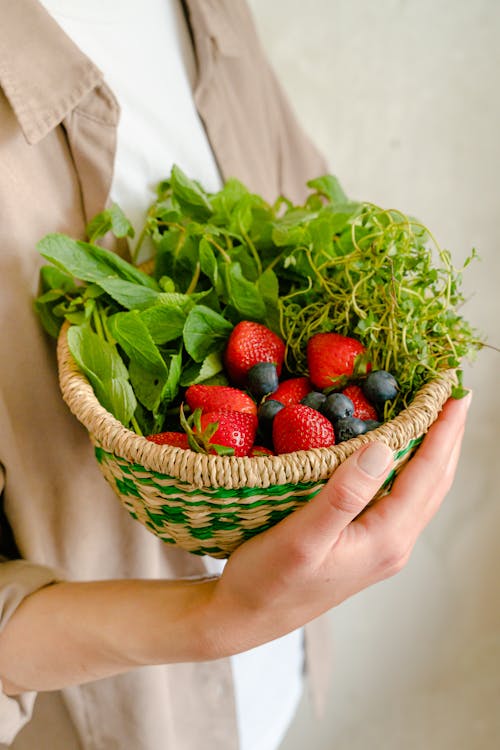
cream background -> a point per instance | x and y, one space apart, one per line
403 98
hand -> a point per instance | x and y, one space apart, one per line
329 550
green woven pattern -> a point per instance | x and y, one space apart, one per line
208 520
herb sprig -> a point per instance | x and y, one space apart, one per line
329 264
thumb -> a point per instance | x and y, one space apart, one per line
346 493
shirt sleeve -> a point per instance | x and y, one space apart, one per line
18 579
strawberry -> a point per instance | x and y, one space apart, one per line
330 356
260 450
292 391
177 439
362 407
213 397
298 427
249 344
233 430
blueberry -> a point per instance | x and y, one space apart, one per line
371 424
266 413
347 428
262 379
337 406
380 386
315 400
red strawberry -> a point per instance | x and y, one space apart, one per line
292 391
177 439
213 397
260 450
233 429
298 427
331 355
249 344
362 407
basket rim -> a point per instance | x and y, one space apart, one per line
231 472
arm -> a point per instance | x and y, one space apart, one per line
319 556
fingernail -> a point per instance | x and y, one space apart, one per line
375 459
468 399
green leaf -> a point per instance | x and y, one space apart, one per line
92 291
89 262
78 317
129 295
54 278
200 372
183 301
166 284
459 391
341 215
268 288
241 219
292 229
329 186
147 385
104 368
148 371
246 261
55 289
321 234
171 387
205 331
208 262
164 322
190 195
120 225
130 331
98 226
177 256
51 323
243 295
111 219
225 200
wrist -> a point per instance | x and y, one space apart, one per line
174 628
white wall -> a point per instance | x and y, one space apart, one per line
403 98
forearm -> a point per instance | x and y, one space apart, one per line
70 633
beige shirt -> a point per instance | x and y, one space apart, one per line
58 124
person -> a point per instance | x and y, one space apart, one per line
148 645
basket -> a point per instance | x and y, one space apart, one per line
208 504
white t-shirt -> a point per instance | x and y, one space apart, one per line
144 50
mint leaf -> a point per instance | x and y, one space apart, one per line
120 225
111 219
242 294
104 368
55 287
268 289
200 372
205 332
148 371
171 387
190 195
89 262
98 226
129 295
164 322
329 186
208 261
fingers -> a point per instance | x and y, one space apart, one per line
350 489
420 488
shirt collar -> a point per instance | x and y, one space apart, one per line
43 74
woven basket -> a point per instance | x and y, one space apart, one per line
211 504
